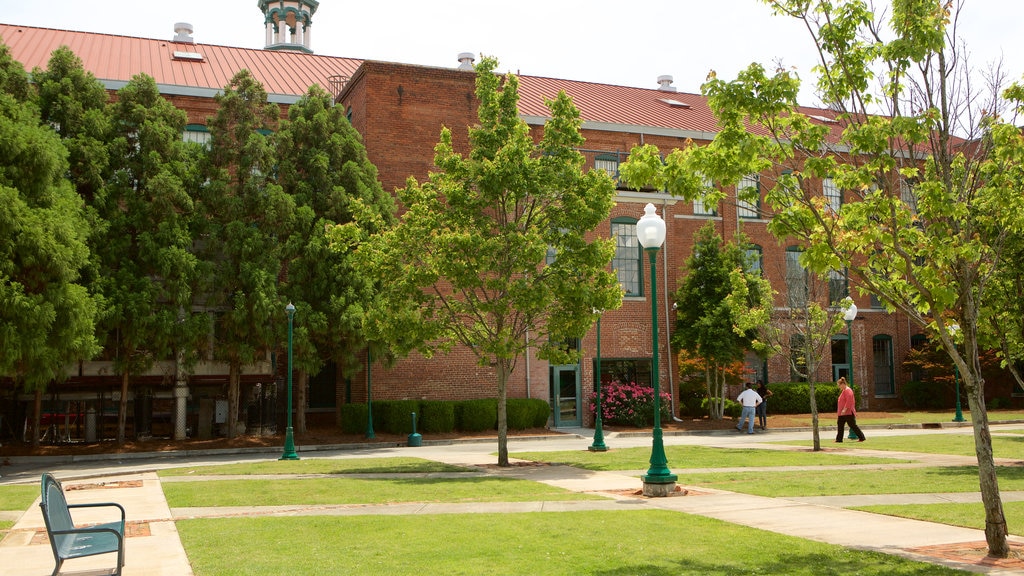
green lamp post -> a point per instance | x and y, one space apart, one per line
659 480
598 445
289 434
954 329
369 394
849 316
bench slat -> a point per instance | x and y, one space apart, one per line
69 541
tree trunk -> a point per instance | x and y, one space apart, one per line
301 400
233 391
122 409
37 413
995 520
504 369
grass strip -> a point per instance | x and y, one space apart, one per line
397 465
683 457
317 491
966 515
933 443
628 543
845 482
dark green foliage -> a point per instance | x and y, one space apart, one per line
795 397
732 409
438 417
477 415
352 418
524 413
394 416
919 395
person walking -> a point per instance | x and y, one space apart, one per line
750 401
846 412
762 408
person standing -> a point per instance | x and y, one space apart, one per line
749 400
846 412
762 408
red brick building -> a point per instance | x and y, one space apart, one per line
399 109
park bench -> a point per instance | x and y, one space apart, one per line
69 541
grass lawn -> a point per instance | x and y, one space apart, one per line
897 418
682 457
840 482
319 491
399 465
967 515
628 543
18 497
935 443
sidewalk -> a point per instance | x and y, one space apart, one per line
153 546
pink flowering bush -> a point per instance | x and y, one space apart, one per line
631 404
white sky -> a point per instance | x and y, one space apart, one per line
623 43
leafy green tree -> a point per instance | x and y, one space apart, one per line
47 317
494 245
148 271
324 167
245 216
704 320
13 80
934 172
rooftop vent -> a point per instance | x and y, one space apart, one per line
665 83
674 103
183 33
466 60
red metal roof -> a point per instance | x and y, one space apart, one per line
115 59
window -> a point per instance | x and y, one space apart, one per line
908 196
796 279
626 262
755 259
609 163
882 362
838 286
197 133
748 197
625 370
699 208
833 197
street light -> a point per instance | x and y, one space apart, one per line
659 480
959 417
598 445
850 315
289 434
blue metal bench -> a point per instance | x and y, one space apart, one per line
69 541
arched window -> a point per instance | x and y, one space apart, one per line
755 259
748 197
796 279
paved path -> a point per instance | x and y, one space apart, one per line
153 547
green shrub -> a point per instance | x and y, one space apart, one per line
438 416
541 412
395 416
795 397
477 415
731 409
919 395
631 404
352 418
522 412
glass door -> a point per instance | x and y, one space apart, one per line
565 396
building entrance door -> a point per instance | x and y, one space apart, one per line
564 396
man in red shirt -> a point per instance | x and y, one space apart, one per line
846 411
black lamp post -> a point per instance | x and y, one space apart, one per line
659 480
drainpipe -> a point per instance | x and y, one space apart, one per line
528 364
668 308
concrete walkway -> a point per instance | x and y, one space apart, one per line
154 548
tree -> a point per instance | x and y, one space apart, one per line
324 167
933 171
494 246
704 320
245 215
148 270
47 319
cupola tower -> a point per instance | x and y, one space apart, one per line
288 23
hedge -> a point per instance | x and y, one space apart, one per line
444 416
795 397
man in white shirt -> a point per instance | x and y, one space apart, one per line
749 399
